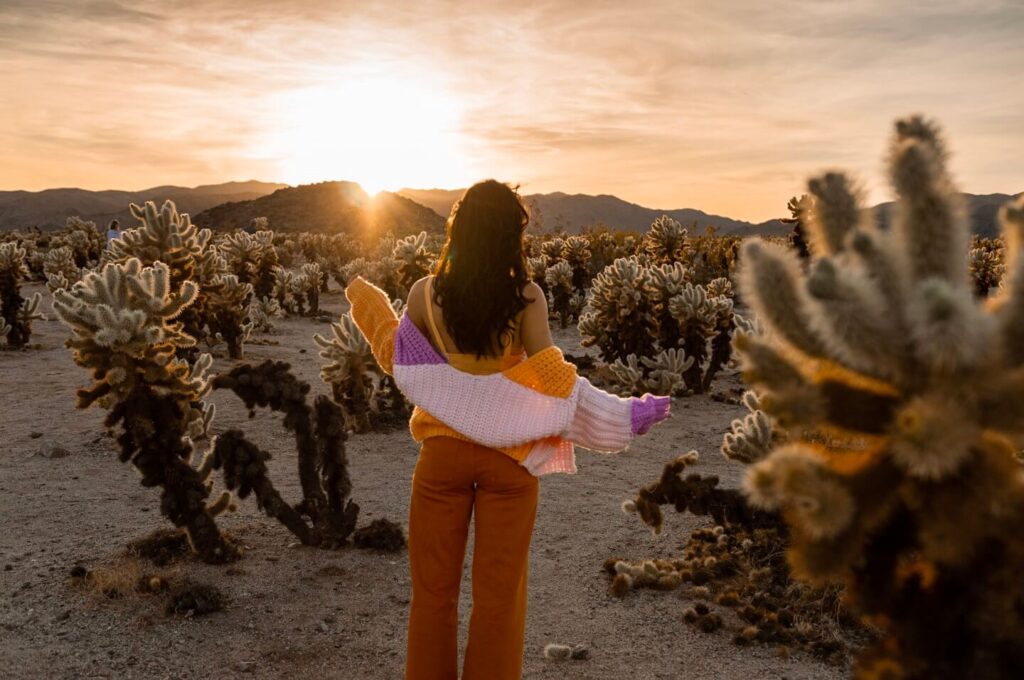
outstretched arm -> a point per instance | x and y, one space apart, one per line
372 312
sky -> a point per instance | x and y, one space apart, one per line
725 106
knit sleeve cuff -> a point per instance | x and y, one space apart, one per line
648 411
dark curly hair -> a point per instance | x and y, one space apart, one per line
482 268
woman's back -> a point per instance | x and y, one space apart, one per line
530 332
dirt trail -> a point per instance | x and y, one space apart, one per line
298 612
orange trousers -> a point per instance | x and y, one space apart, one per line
453 481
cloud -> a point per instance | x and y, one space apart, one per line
725 107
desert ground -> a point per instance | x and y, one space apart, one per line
299 612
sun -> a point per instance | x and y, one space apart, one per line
384 131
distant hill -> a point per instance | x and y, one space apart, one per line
327 207
49 209
982 209
573 212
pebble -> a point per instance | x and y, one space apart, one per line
53 451
580 653
245 666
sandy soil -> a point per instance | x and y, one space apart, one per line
297 612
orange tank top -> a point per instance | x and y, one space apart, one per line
468 363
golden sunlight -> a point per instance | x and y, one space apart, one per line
382 132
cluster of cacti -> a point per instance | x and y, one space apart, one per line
327 515
60 269
902 400
124 333
17 312
304 288
645 311
577 254
367 396
226 312
413 259
985 261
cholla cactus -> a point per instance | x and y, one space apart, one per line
413 260
262 312
712 256
283 280
226 312
60 269
538 272
367 396
308 286
619 316
319 441
552 250
576 253
166 236
85 240
16 310
662 374
242 252
915 499
123 332
665 241
752 437
560 289
985 263
705 326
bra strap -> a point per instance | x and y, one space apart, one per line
430 315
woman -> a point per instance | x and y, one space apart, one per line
496 406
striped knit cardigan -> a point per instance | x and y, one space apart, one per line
534 412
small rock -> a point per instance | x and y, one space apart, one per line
35 435
245 666
63 616
580 653
323 626
8 567
53 451
302 351
329 618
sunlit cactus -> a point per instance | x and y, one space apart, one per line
164 235
226 310
713 257
413 260
619 316
661 374
262 312
242 251
705 326
664 283
283 279
752 437
538 271
267 262
124 332
577 254
552 250
665 241
85 240
902 400
60 269
985 263
16 310
367 396
560 289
